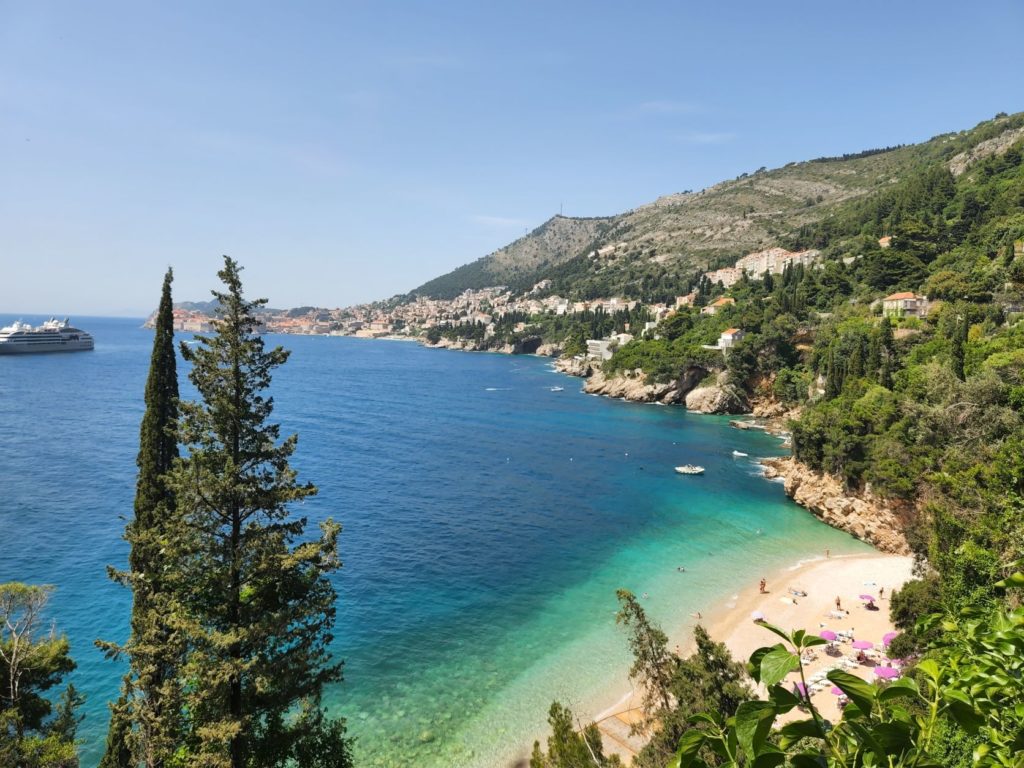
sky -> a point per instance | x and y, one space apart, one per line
344 152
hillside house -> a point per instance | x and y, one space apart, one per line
730 337
686 301
904 304
726 276
719 303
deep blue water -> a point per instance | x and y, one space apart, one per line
487 523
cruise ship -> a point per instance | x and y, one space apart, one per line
52 336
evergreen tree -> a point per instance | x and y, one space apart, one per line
707 681
653 664
252 591
959 345
145 725
888 351
34 659
569 748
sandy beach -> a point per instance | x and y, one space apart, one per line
800 597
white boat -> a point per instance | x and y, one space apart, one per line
690 469
558 389
739 453
52 336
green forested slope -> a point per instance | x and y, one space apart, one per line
926 410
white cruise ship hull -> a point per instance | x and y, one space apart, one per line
26 348
51 336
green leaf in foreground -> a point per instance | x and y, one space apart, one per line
776 664
753 723
861 693
689 748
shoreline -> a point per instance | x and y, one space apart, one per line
730 623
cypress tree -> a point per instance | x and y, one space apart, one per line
252 590
888 354
959 346
145 721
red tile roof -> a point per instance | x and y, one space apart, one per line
900 296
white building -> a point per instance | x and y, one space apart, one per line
904 304
730 337
600 349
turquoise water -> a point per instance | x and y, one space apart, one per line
487 524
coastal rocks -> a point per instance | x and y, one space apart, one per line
549 350
879 522
633 387
461 344
574 366
720 397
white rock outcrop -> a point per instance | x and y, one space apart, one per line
880 522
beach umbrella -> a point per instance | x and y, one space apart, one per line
862 645
757 616
836 691
869 598
828 634
888 637
800 689
887 673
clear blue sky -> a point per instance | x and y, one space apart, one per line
347 151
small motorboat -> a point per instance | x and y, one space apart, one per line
558 389
690 469
739 453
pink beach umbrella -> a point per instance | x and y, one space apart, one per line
868 598
887 673
800 690
888 637
757 616
836 691
828 634
862 645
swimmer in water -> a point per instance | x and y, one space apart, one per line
681 569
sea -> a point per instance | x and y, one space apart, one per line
488 520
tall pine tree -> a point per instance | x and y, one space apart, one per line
253 590
145 726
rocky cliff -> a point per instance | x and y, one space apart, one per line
718 395
721 396
633 387
879 522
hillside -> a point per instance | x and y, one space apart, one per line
550 244
654 251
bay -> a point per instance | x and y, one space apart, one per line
487 522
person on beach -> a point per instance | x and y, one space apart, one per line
881 593
762 585
828 553
697 615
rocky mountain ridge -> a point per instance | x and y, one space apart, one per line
689 232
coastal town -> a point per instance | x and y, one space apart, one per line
412 318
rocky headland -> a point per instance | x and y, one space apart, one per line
880 522
696 388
